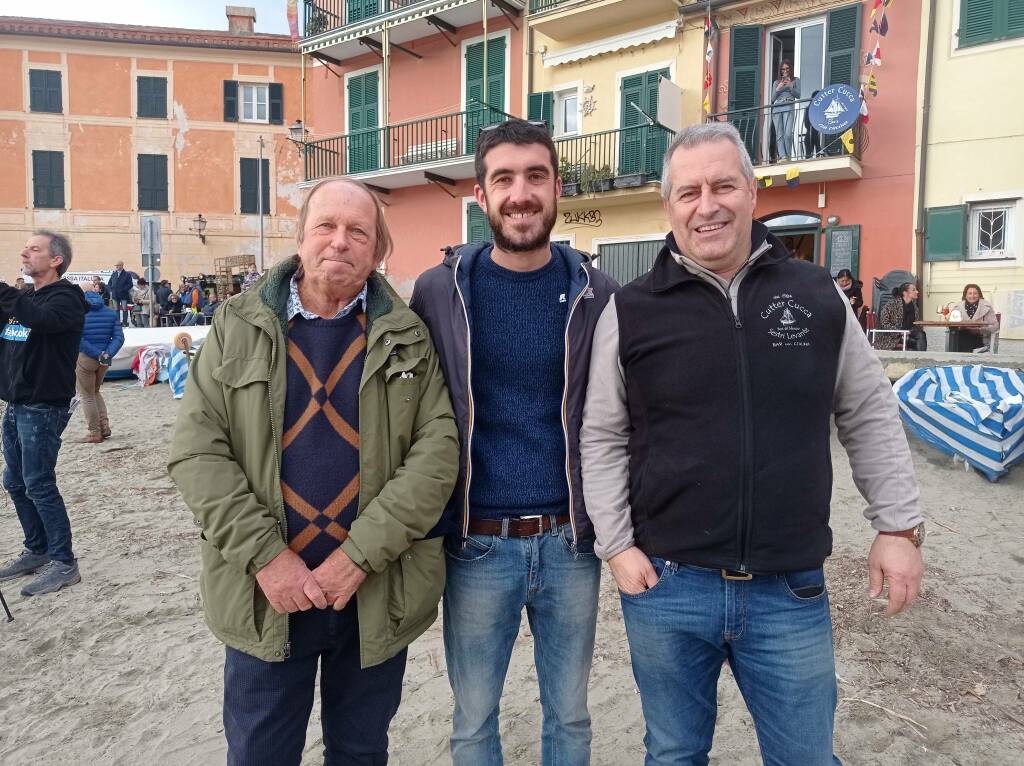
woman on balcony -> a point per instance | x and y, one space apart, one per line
785 91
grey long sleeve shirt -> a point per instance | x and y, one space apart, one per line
864 407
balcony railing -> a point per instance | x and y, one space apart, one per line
538 6
425 141
612 159
775 135
326 15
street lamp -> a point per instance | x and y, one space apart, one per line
199 226
297 133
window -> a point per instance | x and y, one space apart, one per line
249 174
48 179
478 228
990 231
986 21
254 102
152 182
151 97
44 90
566 113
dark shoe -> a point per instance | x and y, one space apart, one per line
26 563
91 439
56 576
106 434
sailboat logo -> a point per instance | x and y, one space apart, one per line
834 110
787 317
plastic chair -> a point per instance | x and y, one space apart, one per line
873 333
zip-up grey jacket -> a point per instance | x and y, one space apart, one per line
864 407
442 298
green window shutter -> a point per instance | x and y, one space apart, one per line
945 234
842 249
363 137
1014 18
48 179
745 83
230 101
152 182
276 100
626 261
977 21
474 76
496 74
654 139
151 97
248 177
842 48
477 96
541 106
631 134
478 228
358 10
44 91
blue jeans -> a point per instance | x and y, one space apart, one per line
489 581
267 704
31 439
776 633
782 119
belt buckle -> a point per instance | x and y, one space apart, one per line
732 574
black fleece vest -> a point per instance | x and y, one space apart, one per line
729 455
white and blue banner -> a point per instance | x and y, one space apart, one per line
972 411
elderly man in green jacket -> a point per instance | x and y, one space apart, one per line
316 448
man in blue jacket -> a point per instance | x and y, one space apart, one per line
102 338
513 323
40 329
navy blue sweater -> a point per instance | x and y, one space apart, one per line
320 462
518 355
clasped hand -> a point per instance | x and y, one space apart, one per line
290 586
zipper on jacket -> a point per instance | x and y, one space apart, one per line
746 452
287 650
469 402
565 406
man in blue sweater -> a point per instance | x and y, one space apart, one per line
513 323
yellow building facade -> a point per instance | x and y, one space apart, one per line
973 190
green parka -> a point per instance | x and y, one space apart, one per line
226 461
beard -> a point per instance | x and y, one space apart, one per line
526 242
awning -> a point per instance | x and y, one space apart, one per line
632 39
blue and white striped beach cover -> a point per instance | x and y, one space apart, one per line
177 372
973 411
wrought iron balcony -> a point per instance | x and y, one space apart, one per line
612 159
447 140
539 6
326 15
779 138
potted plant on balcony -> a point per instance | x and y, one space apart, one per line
630 180
596 179
569 174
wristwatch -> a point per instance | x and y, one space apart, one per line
914 534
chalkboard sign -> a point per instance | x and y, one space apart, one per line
842 249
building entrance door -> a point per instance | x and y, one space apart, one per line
799 232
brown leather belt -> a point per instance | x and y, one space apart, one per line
531 527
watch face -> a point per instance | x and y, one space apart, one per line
919 534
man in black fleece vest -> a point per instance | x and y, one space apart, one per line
707 470
40 330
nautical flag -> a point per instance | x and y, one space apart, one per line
709 53
763 182
707 23
881 26
707 103
876 55
875 6
872 84
293 20
863 108
708 79
793 177
847 138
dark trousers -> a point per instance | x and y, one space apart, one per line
267 704
31 440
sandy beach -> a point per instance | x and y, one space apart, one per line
120 669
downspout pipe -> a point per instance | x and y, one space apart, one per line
922 165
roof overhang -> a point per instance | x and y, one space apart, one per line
663 31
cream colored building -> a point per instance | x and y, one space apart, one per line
973 192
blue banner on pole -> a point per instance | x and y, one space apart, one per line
834 109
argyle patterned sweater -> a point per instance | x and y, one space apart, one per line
320 459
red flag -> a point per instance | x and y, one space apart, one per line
708 79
